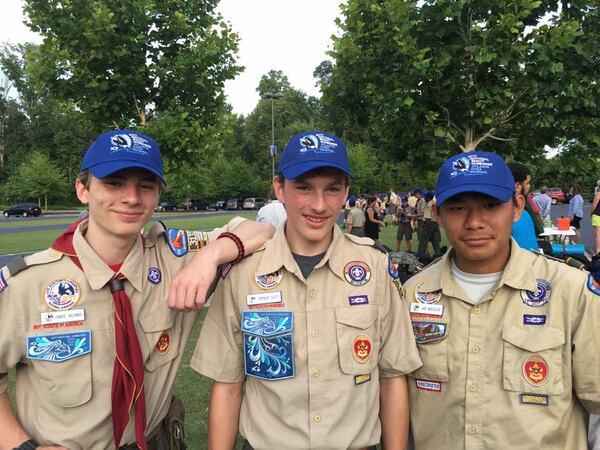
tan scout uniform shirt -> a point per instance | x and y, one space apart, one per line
332 401
69 402
356 218
507 374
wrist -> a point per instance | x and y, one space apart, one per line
29 444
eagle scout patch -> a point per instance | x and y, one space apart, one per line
428 331
3 283
357 273
427 297
534 399
428 385
59 347
361 349
270 280
162 345
535 370
62 294
592 284
177 241
154 275
540 297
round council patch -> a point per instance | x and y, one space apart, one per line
62 294
162 346
361 349
154 275
535 370
270 280
357 273
427 297
540 297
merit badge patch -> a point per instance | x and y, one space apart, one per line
360 379
264 300
361 349
592 284
154 275
270 280
61 295
428 331
534 319
162 345
354 300
534 399
357 273
3 283
535 370
59 347
196 240
427 297
177 241
268 344
428 385
540 297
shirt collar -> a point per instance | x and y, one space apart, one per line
98 274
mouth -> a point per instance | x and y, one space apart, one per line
477 240
128 216
316 220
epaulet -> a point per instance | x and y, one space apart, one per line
360 240
433 261
20 263
569 261
157 229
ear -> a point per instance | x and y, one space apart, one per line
278 188
82 191
519 207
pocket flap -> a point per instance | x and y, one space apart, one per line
158 320
357 317
534 340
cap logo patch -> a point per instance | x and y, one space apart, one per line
318 143
129 142
540 297
471 165
62 294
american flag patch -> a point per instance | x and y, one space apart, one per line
3 283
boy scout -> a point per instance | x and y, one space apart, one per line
95 370
509 338
312 325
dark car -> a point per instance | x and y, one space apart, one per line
194 204
166 206
253 203
23 209
220 204
233 203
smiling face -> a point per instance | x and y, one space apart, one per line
120 204
313 203
479 228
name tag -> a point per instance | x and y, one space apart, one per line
263 298
73 315
427 308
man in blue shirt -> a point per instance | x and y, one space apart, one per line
523 231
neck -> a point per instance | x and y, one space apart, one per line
304 247
483 267
111 249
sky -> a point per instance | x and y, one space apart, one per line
288 35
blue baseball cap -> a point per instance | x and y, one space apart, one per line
311 150
474 171
122 149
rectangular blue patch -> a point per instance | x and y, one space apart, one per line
534 319
59 347
268 344
358 300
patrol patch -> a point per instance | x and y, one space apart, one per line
361 349
428 385
270 280
540 297
534 399
360 379
59 347
427 297
592 284
354 300
268 344
177 241
62 294
163 343
428 331
154 275
196 240
3 283
535 370
273 299
393 268
533 319
357 273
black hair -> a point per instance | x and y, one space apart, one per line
519 171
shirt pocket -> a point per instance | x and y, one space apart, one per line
533 359
357 330
159 336
434 355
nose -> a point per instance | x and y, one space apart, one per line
474 219
131 193
318 203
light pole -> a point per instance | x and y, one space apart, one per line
273 149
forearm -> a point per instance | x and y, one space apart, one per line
223 415
11 430
252 234
393 413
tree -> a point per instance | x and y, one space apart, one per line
122 62
414 77
273 81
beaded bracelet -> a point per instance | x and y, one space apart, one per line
238 243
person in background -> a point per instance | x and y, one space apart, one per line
393 203
523 231
373 220
596 220
272 213
355 223
404 218
431 229
576 210
419 211
544 204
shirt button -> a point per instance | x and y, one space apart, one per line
315 333
316 374
471 429
473 388
313 293
317 418
475 349
476 311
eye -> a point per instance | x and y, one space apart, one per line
334 189
114 182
